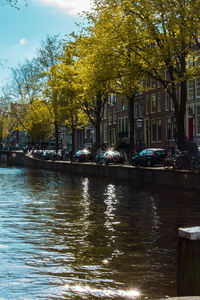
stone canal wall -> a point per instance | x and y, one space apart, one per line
12 157
159 176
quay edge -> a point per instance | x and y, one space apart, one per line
182 298
189 180
179 179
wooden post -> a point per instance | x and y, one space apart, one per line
188 270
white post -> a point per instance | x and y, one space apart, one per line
188 272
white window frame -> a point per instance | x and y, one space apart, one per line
190 89
147 104
136 115
197 87
159 101
198 118
167 101
105 133
159 120
153 99
153 121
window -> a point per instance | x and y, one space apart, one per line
117 97
153 103
172 104
190 62
159 129
159 102
197 59
105 112
110 116
126 126
153 130
147 104
85 133
198 119
167 101
114 131
148 83
123 107
109 137
114 116
141 108
136 110
123 127
112 98
197 87
153 83
174 130
158 84
169 128
190 86
105 134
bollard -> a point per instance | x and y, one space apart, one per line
188 267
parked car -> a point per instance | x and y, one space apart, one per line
110 157
46 154
55 156
82 156
149 157
38 154
99 157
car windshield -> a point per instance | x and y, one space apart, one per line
84 151
146 152
112 153
161 152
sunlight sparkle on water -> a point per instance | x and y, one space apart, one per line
105 261
86 289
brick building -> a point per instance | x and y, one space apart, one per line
155 124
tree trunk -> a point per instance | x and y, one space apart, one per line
98 121
132 126
56 135
180 117
73 140
180 108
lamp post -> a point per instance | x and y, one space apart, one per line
92 137
173 122
139 123
168 133
147 134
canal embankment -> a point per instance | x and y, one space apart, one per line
181 179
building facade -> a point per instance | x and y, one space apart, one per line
154 120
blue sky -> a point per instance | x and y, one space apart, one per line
23 30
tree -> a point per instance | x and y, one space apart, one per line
96 74
28 111
122 72
36 120
47 56
162 41
12 3
5 119
65 83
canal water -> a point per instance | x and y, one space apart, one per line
64 237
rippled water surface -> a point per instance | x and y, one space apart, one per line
65 237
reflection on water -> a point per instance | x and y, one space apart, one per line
67 237
101 293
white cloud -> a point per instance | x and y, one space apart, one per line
22 41
70 7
